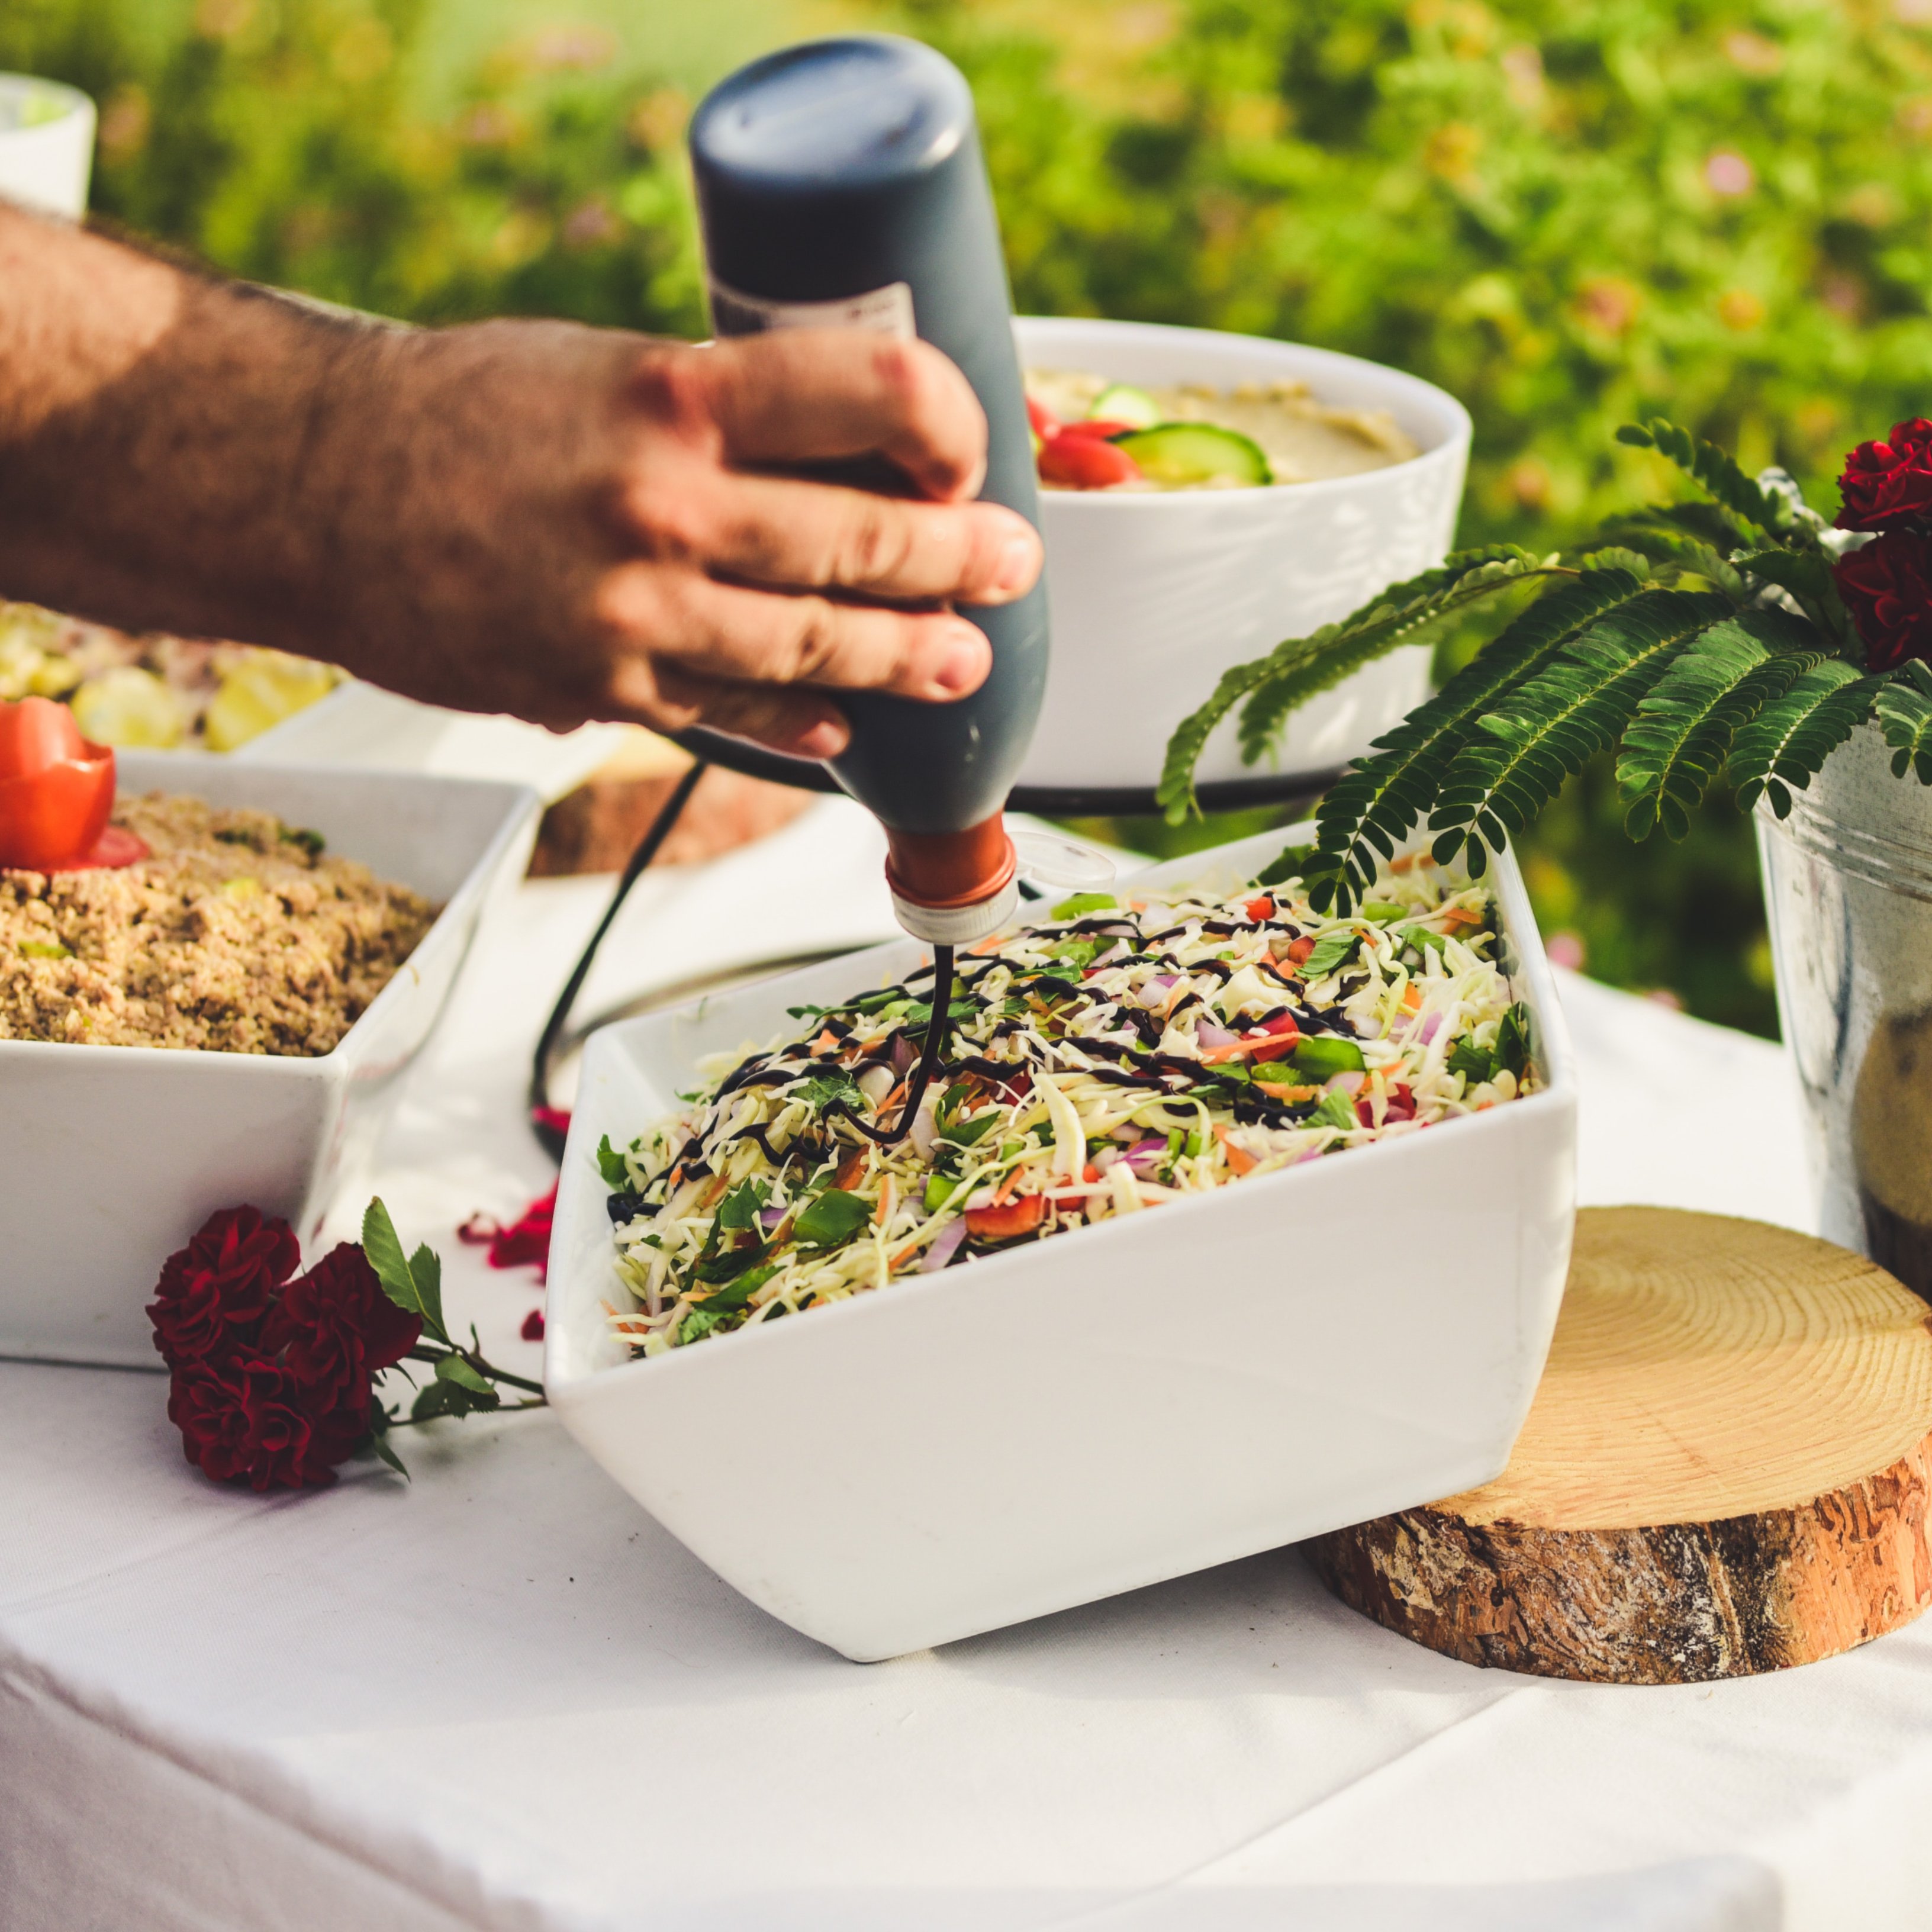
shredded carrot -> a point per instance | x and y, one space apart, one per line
851 1171
1411 996
1239 1158
888 1201
1004 1190
990 944
825 1041
1406 863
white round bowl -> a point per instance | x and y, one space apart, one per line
1153 596
47 144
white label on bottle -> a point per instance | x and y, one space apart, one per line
886 311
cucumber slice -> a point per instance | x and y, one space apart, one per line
1123 403
1177 453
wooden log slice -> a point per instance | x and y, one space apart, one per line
1725 1470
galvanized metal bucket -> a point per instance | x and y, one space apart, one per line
1848 892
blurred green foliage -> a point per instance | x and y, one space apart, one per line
1568 214
284 140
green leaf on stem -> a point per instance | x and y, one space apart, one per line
414 1285
454 1369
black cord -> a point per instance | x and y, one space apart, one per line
936 1030
546 1129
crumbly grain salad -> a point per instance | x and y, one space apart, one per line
1119 1057
236 934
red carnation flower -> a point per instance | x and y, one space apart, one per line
244 1419
334 1328
1887 586
1887 484
214 1293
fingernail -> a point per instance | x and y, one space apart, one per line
1019 563
964 666
825 739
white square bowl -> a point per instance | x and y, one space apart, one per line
113 1156
1112 1406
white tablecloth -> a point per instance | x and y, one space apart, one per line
501 1697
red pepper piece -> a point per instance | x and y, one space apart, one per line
56 790
1010 1218
1300 949
1261 908
1086 462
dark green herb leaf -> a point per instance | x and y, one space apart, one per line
1475 1063
699 1323
822 1089
736 1296
1330 954
312 843
964 1133
738 1210
1336 1110
832 1219
611 1164
1512 1041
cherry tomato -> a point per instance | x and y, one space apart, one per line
1101 428
1086 462
1045 424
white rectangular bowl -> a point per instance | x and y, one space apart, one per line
113 1156
1110 1407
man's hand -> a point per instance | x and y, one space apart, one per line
560 522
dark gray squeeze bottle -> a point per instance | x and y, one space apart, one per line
840 182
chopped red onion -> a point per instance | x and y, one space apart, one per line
943 1250
1206 1033
1431 1026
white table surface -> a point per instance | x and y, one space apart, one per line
502 1697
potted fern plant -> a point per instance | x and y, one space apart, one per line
1736 636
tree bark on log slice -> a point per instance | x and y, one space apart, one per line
1725 1470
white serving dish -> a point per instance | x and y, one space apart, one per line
1103 1409
113 1156
1160 592
47 144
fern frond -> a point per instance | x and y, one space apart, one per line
1306 667
1705 463
1677 741
1805 576
1780 751
1904 710
1371 807
1517 758
1378 626
1665 547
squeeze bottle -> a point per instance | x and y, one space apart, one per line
840 184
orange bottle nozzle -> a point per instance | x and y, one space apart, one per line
950 888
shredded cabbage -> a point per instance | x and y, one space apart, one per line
1115 1058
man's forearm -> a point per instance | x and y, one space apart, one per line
163 445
